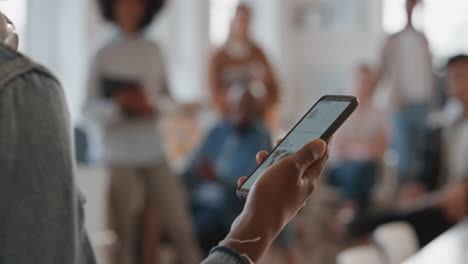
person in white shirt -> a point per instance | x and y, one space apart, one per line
407 65
434 213
359 146
127 91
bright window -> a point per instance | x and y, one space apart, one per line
221 12
444 22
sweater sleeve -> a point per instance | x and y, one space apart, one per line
224 255
41 214
159 93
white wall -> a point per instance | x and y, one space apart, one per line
55 37
61 35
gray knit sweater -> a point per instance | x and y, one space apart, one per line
41 212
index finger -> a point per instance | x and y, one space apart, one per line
278 141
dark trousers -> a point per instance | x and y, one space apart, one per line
428 223
355 180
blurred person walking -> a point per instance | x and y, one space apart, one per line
407 65
240 58
127 92
359 146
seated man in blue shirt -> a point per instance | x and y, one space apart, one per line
227 153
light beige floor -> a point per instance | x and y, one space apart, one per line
93 184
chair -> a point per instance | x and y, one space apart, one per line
360 255
398 241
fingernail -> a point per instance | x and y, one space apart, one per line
319 149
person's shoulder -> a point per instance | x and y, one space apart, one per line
262 130
394 37
37 91
219 53
406 32
16 67
219 50
39 81
256 47
149 43
102 46
218 132
152 47
220 127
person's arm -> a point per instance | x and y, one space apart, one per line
382 140
160 96
207 150
270 80
275 199
41 217
213 76
96 109
383 67
215 82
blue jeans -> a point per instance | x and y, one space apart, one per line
355 180
409 132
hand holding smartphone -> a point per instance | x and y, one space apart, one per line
321 121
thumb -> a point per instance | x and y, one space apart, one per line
309 153
241 181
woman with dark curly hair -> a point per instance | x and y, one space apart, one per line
127 91
150 8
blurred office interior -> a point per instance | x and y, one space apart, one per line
314 47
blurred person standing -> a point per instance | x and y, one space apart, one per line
127 91
241 58
436 212
359 146
407 64
455 129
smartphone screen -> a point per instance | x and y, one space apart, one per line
320 121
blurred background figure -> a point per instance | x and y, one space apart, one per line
434 213
359 146
226 153
240 58
407 64
127 93
210 48
456 132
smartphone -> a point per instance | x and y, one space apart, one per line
321 121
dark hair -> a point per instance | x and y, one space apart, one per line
457 59
152 7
